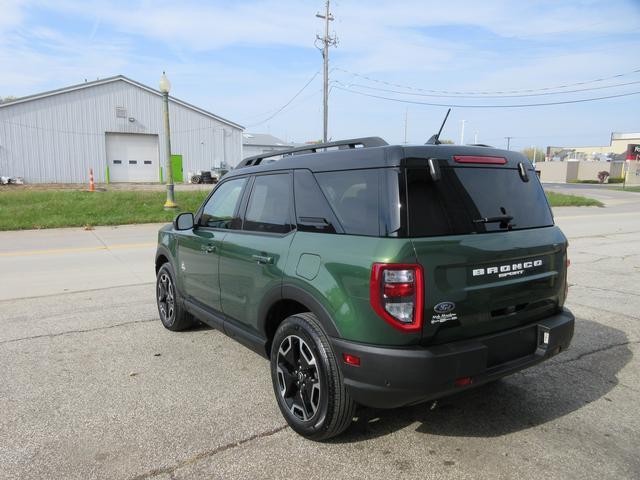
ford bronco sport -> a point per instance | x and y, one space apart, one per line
371 274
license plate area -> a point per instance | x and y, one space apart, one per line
512 346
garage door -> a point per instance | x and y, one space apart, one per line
132 157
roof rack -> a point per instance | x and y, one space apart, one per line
364 142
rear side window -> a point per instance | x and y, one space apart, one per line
464 196
313 213
269 208
219 209
353 196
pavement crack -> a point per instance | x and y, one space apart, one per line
73 292
603 310
608 290
207 454
70 332
598 350
112 253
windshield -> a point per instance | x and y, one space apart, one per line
474 200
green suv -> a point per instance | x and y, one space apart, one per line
371 274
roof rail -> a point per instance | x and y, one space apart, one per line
364 142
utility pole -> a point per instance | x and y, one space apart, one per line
508 142
406 119
462 132
326 41
534 154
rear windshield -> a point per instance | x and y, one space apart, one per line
474 200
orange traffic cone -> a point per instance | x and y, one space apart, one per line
92 186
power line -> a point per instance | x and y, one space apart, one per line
415 102
437 95
288 103
488 92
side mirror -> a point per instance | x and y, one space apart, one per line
183 221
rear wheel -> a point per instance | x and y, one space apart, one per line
173 315
307 381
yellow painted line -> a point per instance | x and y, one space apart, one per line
57 251
603 215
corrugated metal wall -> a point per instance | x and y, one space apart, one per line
57 139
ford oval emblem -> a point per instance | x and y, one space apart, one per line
444 307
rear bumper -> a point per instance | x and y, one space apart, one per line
393 377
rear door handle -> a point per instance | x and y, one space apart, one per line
209 248
262 259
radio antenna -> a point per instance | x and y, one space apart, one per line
435 139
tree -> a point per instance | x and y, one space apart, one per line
529 152
447 142
10 98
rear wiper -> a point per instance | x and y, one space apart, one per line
504 220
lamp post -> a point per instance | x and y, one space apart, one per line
165 85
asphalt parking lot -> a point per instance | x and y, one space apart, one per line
92 386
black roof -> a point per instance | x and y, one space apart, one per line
372 153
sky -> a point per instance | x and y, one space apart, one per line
245 60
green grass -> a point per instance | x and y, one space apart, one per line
563 200
635 188
24 209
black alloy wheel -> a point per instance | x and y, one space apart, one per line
298 377
166 295
170 308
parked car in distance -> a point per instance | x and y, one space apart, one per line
371 274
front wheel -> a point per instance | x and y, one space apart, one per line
172 313
307 380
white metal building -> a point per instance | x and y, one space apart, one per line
113 126
256 143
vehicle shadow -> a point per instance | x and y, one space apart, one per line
581 375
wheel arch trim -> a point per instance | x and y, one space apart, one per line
297 294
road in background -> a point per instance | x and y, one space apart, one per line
59 260
92 386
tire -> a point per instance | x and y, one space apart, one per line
172 313
307 380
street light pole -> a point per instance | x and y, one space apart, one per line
165 86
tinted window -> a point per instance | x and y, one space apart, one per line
353 195
269 206
457 203
313 213
221 206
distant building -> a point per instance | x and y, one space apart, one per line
113 126
256 143
622 146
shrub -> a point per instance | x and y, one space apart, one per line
616 180
602 176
